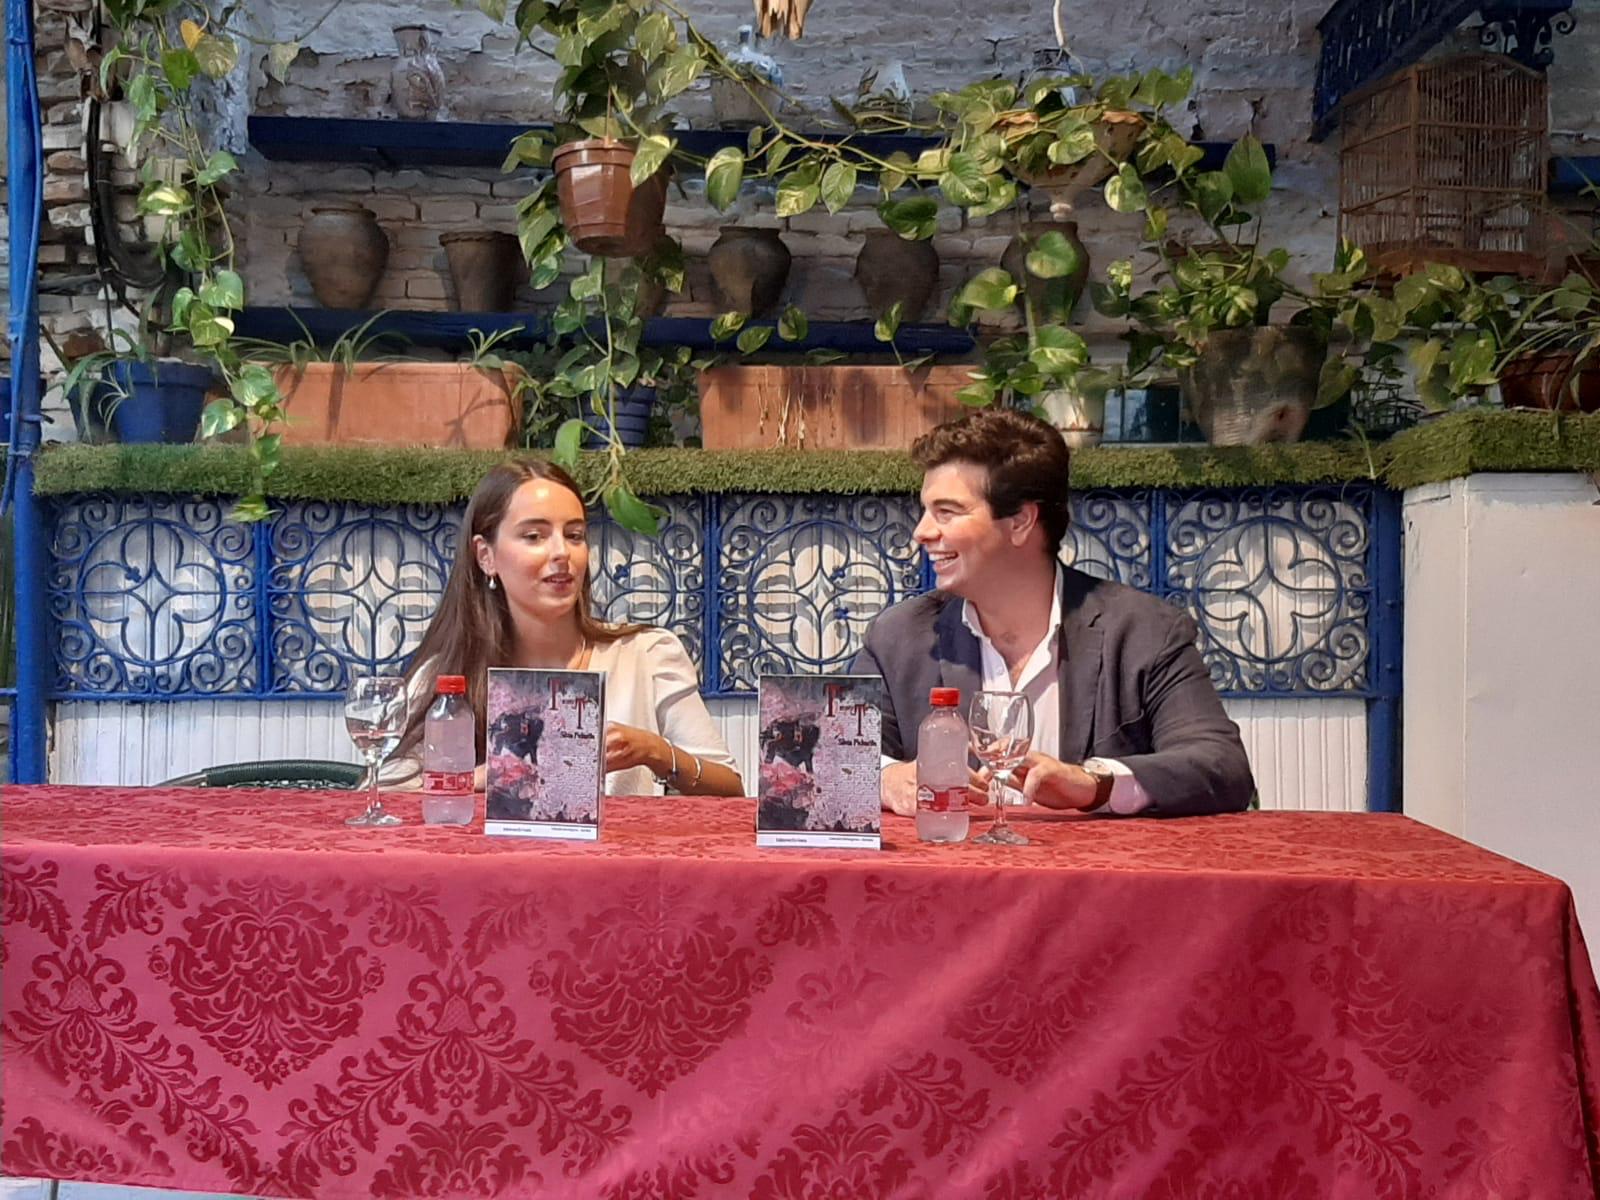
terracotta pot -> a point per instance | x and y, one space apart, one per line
892 270
1053 299
749 268
343 252
826 408
1255 385
484 267
605 214
1546 381
400 404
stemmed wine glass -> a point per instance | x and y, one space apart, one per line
1001 725
374 713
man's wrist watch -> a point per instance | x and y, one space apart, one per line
1104 781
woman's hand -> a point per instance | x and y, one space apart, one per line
627 746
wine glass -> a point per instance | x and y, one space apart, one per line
374 713
1001 725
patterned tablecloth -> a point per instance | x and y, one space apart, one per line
231 991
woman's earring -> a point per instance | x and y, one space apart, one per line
492 583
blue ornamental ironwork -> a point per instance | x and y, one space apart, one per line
158 598
1365 40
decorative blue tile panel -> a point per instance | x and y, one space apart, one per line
799 579
165 598
152 597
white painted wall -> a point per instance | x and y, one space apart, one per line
1502 670
1307 754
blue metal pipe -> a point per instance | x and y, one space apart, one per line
25 195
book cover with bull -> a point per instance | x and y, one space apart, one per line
820 761
546 750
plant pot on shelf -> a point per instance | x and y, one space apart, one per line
632 407
892 270
400 404
605 214
1254 385
343 251
748 269
1053 299
142 403
1115 135
826 408
485 268
1081 419
1551 381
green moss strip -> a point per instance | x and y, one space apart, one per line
1446 448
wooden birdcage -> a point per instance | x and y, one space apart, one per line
1445 162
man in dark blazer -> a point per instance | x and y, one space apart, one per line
1126 717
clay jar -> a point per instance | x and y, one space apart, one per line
892 270
343 252
1053 299
484 267
749 268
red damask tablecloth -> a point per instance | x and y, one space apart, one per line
231 991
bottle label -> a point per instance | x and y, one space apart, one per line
941 799
447 782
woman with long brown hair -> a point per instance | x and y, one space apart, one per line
518 596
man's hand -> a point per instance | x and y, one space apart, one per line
1053 783
899 789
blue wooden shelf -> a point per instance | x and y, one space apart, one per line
395 144
1571 175
450 330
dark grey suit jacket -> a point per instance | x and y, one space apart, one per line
1133 688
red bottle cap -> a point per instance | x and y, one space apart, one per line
944 697
451 685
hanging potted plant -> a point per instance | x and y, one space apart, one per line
609 163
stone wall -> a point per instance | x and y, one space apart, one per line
1254 65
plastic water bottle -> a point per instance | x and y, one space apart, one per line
448 755
942 770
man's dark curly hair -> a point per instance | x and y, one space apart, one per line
1024 459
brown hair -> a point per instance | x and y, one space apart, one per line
471 629
1024 459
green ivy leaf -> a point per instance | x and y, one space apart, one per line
209 329
217 166
1053 257
751 340
792 325
142 95
223 290
250 509
256 387
1248 170
676 72
1056 350
495 10
1125 191
726 325
279 57
1213 192
799 190
723 175
216 55
888 324
1157 89
631 512
896 173
992 290
980 393
1074 143
568 438
164 199
653 151
821 358
838 185
1155 224
1335 381
588 285
915 219
963 181
180 66
655 36
1002 195
219 416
